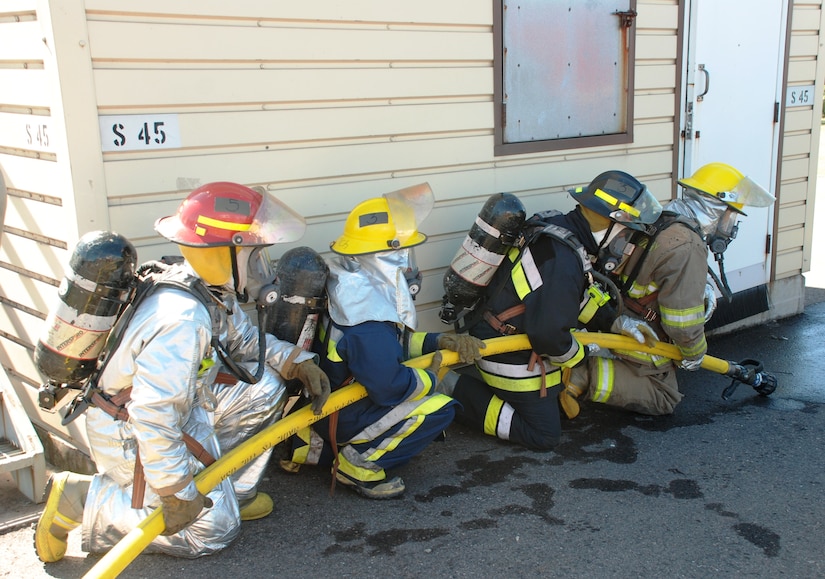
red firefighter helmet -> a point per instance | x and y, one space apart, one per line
228 214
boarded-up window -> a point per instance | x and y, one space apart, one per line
564 74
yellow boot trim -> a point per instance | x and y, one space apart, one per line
257 508
50 547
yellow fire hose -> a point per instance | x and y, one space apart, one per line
130 546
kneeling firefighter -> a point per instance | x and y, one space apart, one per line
662 272
545 289
366 336
189 378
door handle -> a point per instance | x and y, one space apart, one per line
702 68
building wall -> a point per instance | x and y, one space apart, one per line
800 145
325 104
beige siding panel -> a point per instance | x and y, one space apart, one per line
39 258
806 18
35 299
798 119
250 128
34 176
796 145
33 216
121 41
655 46
25 88
801 71
17 6
804 45
794 192
788 264
141 176
655 76
657 15
171 88
654 106
796 168
318 11
790 239
791 216
20 41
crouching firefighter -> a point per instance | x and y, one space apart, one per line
366 336
545 288
190 377
662 272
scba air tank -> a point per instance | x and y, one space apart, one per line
497 228
300 296
99 282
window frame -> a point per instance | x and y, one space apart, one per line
503 149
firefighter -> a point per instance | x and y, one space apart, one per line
172 384
662 273
541 290
367 334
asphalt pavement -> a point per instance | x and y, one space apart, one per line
722 487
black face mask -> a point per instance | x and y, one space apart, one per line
611 254
726 229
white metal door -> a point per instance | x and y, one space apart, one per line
735 55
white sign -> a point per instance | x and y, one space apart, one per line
29 132
800 96
139 132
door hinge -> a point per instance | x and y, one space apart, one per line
768 239
503 114
626 18
776 112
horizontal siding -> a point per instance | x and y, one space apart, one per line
318 12
304 46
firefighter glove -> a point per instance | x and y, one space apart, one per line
435 365
468 347
637 329
710 301
315 382
691 365
180 513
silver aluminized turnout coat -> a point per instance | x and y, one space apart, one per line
165 356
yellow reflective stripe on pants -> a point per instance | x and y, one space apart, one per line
414 412
604 380
491 416
533 384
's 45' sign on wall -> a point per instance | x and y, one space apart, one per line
139 132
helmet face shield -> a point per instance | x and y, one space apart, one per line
747 193
274 223
409 208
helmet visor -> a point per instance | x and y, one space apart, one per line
409 207
747 193
645 209
274 223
